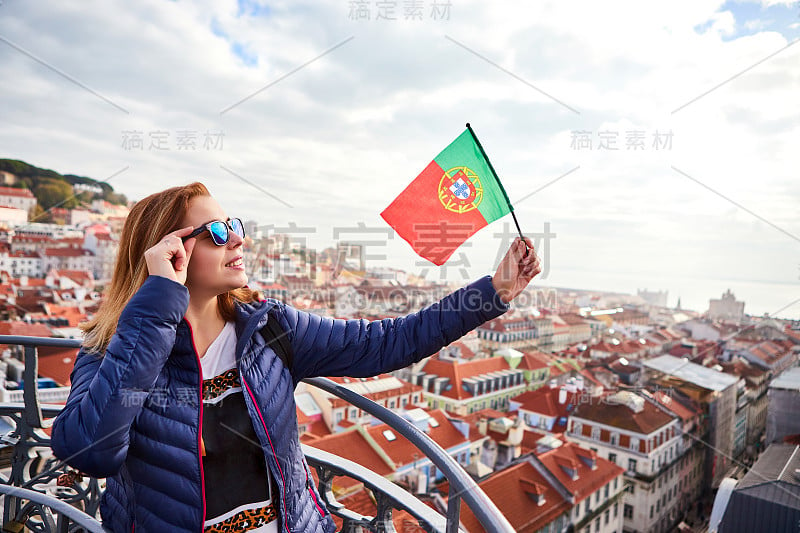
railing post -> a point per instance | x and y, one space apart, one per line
33 411
481 506
453 509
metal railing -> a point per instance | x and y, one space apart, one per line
43 494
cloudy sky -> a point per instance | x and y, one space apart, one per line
317 114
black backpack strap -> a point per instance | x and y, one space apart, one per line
278 339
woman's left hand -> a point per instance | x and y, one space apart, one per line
516 270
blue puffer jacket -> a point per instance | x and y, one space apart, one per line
149 450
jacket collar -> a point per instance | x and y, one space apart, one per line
250 318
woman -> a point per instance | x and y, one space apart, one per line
178 332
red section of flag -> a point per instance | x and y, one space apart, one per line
419 217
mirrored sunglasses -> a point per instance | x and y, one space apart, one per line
219 230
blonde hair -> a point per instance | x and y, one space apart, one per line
149 220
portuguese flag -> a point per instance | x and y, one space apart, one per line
457 194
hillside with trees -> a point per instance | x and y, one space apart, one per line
53 189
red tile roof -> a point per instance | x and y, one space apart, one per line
509 490
627 346
456 371
11 191
402 452
72 315
771 352
25 329
353 445
464 351
573 319
544 401
78 276
533 361
405 388
302 418
793 334
57 363
588 481
66 252
603 411
683 412
509 322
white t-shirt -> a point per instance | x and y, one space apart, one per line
237 481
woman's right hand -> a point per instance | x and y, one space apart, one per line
170 256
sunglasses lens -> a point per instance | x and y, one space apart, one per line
237 226
219 232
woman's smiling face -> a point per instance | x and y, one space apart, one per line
213 269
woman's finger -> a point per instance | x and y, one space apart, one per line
178 257
180 232
189 247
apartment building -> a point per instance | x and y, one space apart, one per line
462 387
637 433
716 394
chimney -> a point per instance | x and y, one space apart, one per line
571 386
483 425
553 384
562 395
579 382
515 433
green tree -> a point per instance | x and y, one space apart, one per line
52 193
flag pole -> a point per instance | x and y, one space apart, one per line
497 178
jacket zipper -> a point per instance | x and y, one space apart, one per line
264 425
199 428
311 491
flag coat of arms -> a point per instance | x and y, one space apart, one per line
457 194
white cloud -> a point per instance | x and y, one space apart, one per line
340 137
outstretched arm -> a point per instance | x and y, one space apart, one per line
359 348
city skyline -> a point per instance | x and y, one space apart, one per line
320 117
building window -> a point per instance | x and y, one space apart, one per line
606 516
651 511
614 439
597 525
605 490
631 465
627 511
616 509
612 457
596 433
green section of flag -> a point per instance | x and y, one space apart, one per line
465 152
